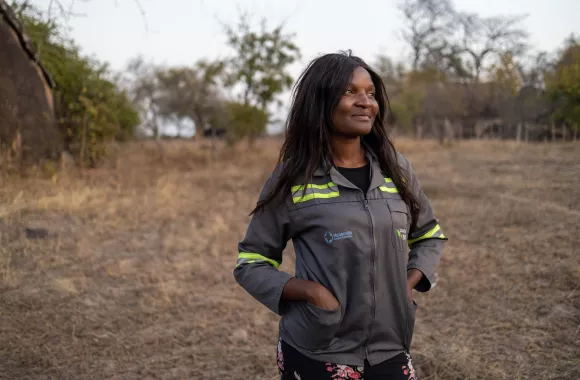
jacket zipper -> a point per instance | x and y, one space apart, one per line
372 276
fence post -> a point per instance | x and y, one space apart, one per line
564 132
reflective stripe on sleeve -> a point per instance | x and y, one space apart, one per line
249 258
434 233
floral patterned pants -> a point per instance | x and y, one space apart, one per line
292 365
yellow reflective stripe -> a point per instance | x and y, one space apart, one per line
388 189
255 257
428 235
313 186
311 196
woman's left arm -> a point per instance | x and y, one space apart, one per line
425 240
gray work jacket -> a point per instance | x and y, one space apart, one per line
359 246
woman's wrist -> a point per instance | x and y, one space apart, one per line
414 276
297 289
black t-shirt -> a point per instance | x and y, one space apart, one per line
360 177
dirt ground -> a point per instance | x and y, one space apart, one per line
134 280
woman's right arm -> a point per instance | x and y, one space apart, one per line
260 255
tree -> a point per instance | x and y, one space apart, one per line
91 108
405 109
260 62
481 38
563 86
532 72
190 93
243 120
392 74
428 97
428 25
505 84
505 75
143 84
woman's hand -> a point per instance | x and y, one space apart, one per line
297 289
321 297
413 278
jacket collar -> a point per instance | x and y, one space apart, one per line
377 177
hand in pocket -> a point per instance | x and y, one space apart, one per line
321 297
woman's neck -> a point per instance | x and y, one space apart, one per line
348 153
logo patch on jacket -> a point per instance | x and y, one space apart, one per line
402 233
329 237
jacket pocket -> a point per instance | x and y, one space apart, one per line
400 218
410 323
311 327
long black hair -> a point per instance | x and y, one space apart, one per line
308 126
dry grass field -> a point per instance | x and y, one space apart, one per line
135 278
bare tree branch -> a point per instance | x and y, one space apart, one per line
143 14
428 22
484 37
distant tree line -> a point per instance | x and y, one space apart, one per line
477 77
231 97
468 76
94 105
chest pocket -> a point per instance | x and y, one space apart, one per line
400 218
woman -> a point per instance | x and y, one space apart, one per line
351 205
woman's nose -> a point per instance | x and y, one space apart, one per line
363 100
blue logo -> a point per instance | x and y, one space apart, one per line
329 237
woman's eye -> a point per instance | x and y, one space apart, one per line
372 94
349 91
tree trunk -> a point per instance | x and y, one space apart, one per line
213 144
247 96
575 134
418 131
527 132
157 136
155 128
199 127
449 130
83 143
563 132
553 132
519 132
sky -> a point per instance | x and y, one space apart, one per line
179 32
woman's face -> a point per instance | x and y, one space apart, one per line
355 113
